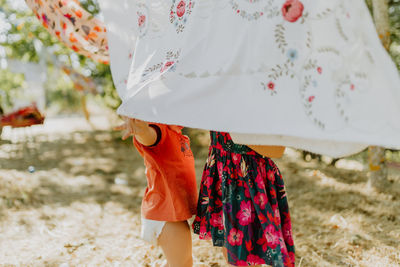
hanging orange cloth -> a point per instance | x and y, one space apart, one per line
81 83
73 26
23 117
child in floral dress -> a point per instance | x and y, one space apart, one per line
243 206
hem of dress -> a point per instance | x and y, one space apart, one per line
186 218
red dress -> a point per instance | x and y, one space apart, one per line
171 193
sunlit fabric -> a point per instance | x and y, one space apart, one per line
81 83
309 74
73 26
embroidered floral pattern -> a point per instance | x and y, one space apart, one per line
142 19
292 10
251 10
169 64
179 13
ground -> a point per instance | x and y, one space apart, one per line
70 195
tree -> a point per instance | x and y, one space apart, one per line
376 155
20 38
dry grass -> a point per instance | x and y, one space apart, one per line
81 206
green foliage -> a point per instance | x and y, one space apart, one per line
394 12
10 83
394 16
19 37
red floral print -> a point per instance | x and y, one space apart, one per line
235 237
236 190
216 220
271 236
261 200
245 214
271 176
251 260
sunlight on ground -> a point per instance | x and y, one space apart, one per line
70 195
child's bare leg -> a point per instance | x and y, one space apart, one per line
225 252
176 243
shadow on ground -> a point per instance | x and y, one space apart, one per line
337 219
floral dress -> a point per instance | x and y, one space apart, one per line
243 206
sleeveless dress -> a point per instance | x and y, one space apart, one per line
243 206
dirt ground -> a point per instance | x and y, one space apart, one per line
70 196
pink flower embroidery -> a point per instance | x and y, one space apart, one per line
292 10
141 20
271 86
261 200
311 99
245 215
167 65
235 237
319 69
181 9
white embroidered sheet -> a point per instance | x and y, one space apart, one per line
308 74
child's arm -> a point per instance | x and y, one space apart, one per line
141 130
269 151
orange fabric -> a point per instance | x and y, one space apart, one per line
171 193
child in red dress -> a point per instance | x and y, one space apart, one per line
171 194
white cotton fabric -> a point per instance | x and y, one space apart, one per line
317 80
151 230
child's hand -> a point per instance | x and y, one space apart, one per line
126 128
143 133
